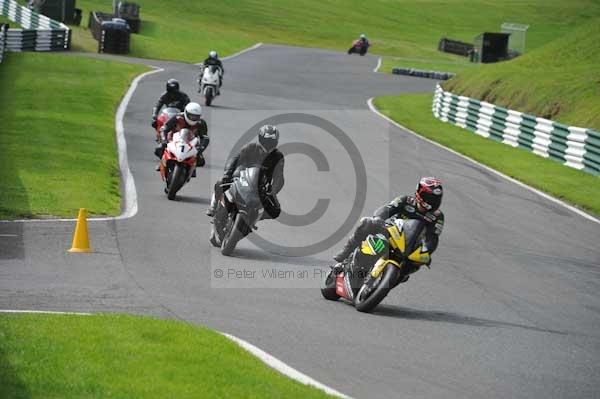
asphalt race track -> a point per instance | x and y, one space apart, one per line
510 308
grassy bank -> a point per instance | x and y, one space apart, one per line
396 28
576 187
117 356
58 134
559 81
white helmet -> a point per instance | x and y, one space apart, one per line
192 113
213 54
362 36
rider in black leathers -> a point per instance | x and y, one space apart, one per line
173 97
423 205
266 154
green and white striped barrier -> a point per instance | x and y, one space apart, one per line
576 147
39 32
2 41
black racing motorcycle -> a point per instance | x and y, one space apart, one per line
239 209
381 263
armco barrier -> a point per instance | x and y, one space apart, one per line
422 74
576 147
38 33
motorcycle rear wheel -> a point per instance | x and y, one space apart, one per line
367 302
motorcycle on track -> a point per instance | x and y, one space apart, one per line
380 264
166 114
208 82
239 209
178 161
358 47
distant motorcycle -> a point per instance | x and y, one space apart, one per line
208 83
359 47
178 161
379 265
166 114
239 209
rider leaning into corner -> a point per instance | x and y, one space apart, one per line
264 153
213 59
424 205
191 119
364 45
173 97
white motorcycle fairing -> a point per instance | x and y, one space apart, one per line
181 147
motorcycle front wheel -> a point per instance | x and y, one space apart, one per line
369 296
208 97
234 235
176 181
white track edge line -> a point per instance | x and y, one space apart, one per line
263 356
521 184
378 65
131 206
43 312
283 368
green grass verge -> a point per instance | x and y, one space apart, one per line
58 135
571 185
559 81
118 356
399 28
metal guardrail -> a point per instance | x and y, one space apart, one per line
422 74
38 33
573 146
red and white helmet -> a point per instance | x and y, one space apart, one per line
429 193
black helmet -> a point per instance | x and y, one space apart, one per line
429 193
172 86
268 137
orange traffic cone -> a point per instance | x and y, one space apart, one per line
81 242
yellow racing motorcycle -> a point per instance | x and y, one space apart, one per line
381 263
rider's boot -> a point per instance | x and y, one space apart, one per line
200 161
213 206
346 251
194 172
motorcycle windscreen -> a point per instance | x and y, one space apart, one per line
170 111
247 188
